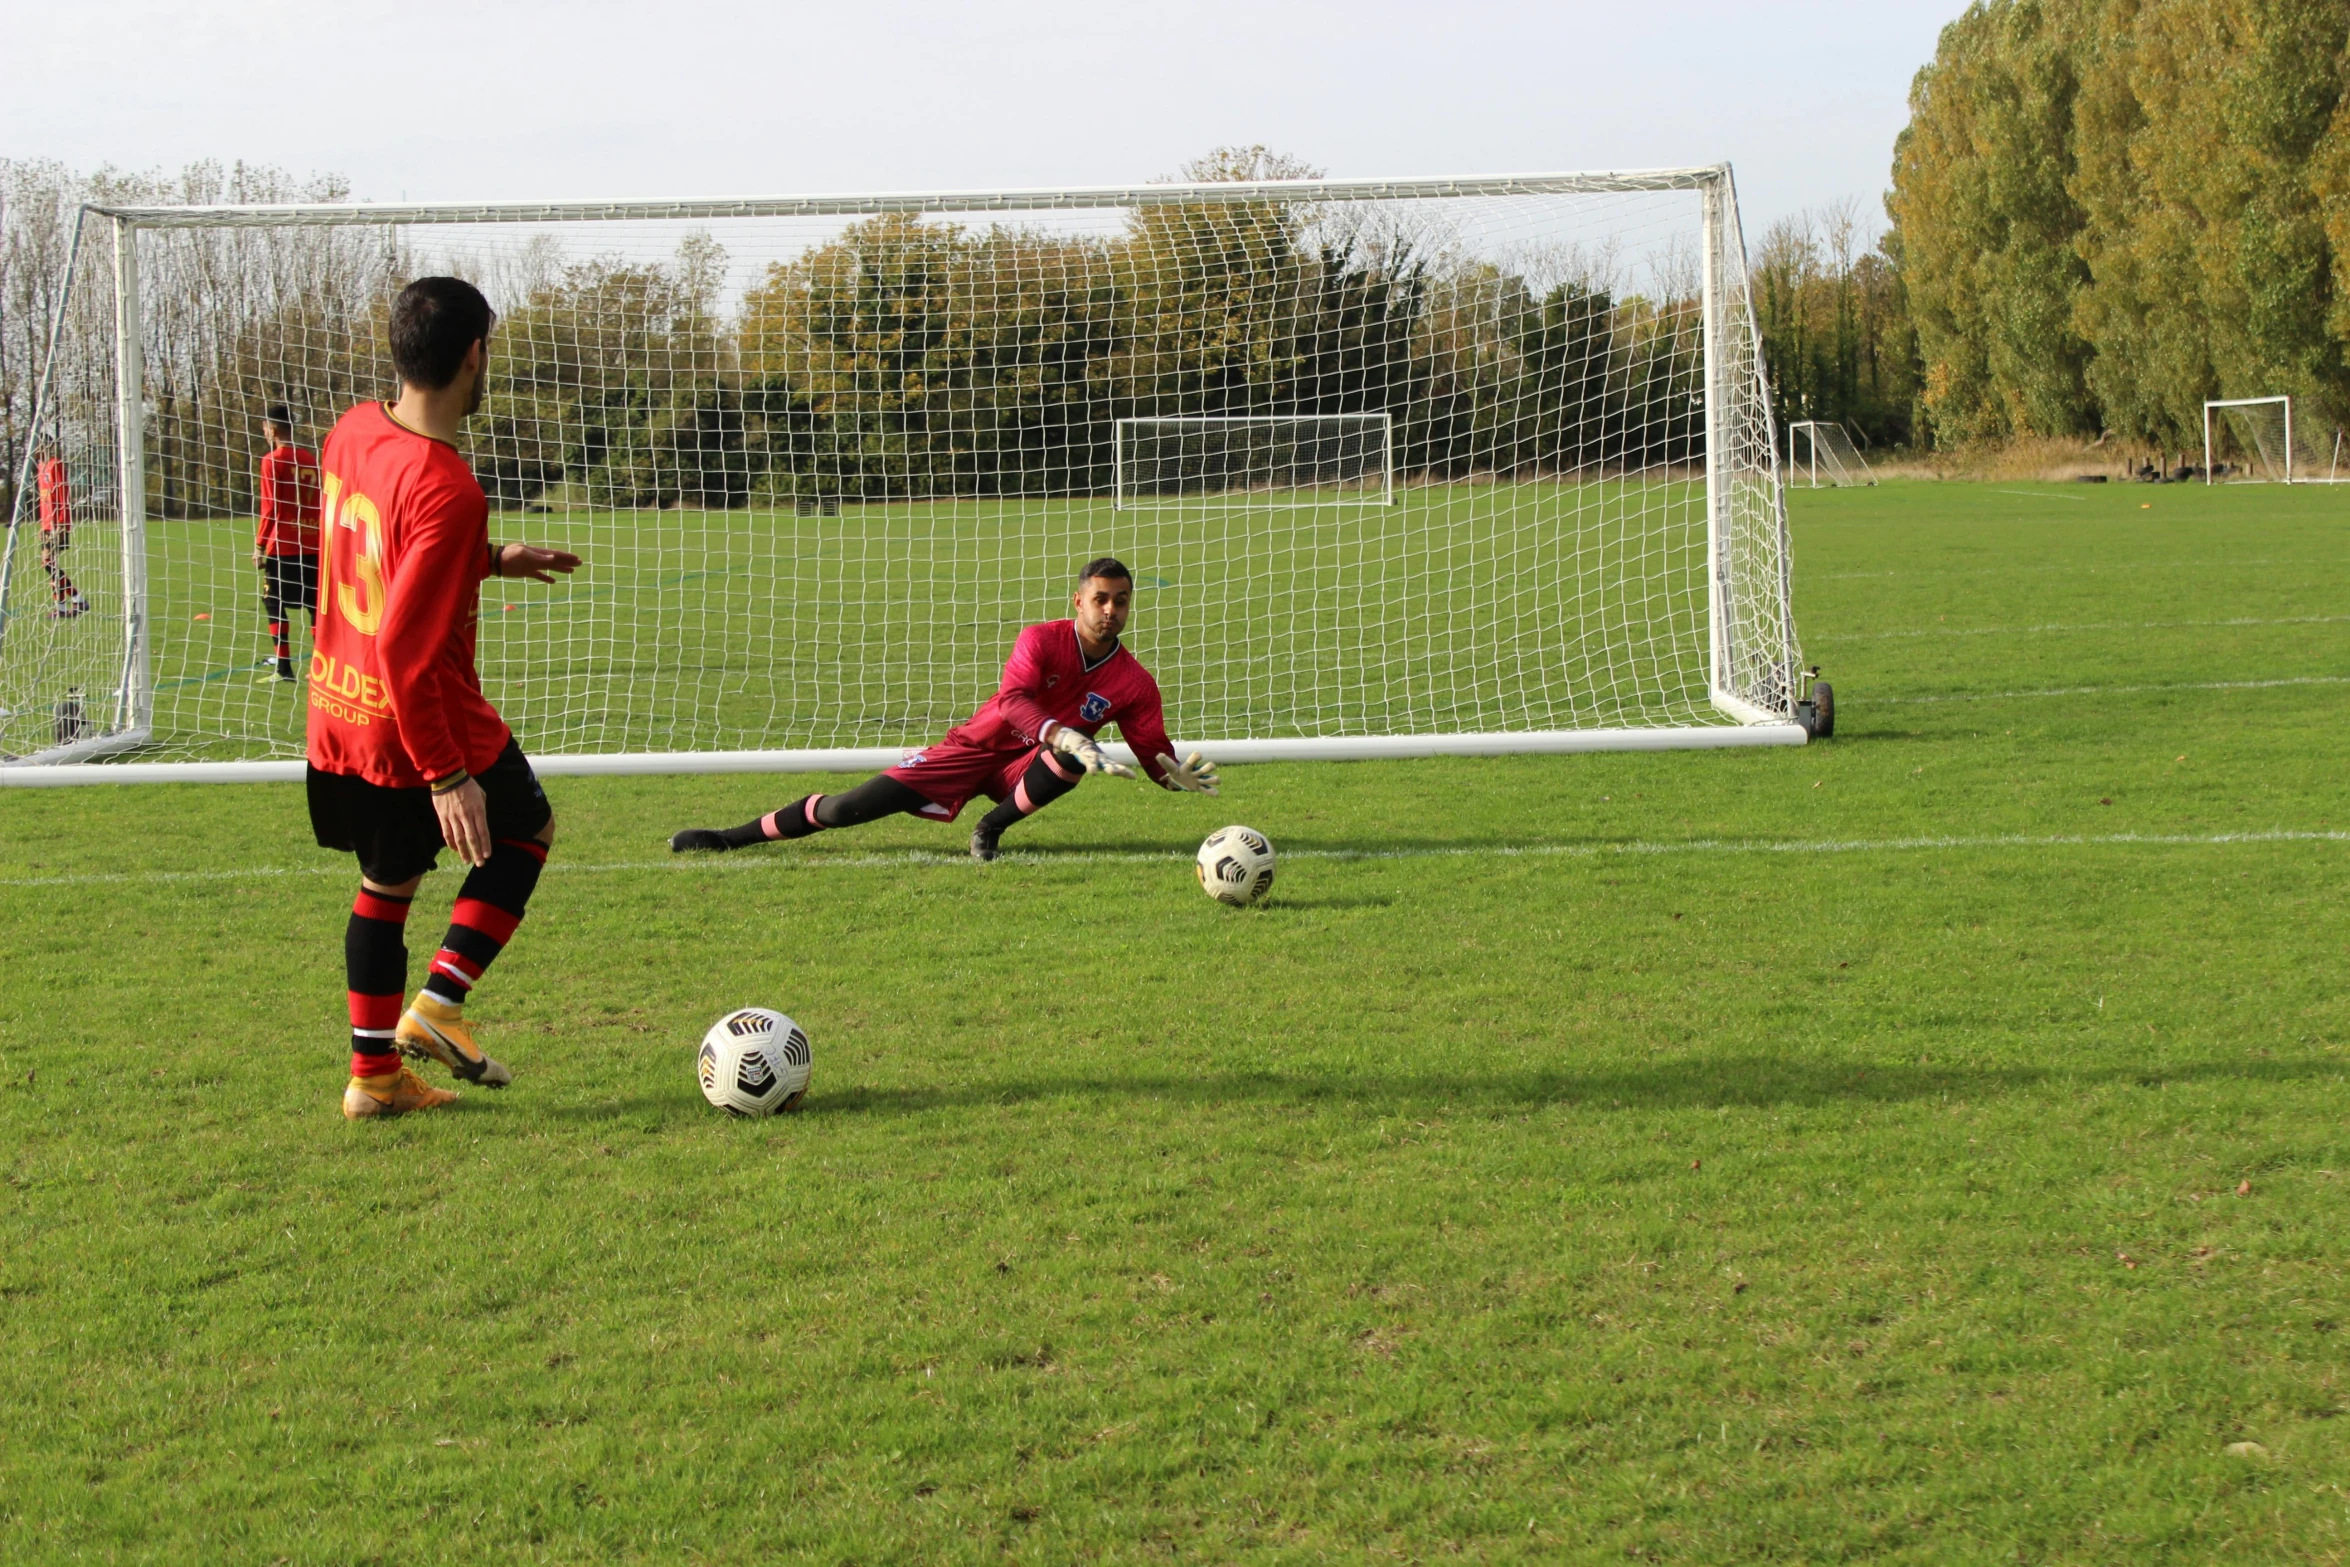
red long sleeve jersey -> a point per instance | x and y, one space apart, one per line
394 695
56 494
1048 677
289 503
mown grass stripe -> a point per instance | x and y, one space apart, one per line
920 857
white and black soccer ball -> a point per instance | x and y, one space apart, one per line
755 1062
1235 865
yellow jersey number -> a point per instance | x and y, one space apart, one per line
361 600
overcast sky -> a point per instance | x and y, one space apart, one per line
498 99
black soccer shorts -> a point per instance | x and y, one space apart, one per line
397 834
288 583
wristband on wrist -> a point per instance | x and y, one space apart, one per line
456 780
497 551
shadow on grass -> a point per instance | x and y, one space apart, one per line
1738 1082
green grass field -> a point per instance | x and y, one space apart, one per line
1927 1146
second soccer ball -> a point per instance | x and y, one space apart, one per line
754 1062
1235 865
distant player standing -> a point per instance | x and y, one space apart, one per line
406 755
1029 745
53 486
285 539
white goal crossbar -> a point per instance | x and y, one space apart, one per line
1443 466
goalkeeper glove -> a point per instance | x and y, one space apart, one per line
1076 743
1197 775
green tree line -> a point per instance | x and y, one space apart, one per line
2106 211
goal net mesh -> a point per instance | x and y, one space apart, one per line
822 464
1273 460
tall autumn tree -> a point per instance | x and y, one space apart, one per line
1983 206
2110 210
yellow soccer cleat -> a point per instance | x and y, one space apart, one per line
433 1028
394 1093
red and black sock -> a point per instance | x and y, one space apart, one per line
281 636
375 966
489 906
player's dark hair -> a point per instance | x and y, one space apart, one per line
1106 566
434 321
280 415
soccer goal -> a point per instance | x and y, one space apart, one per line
1270 460
2261 440
1822 453
1403 467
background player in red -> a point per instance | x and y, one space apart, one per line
285 541
406 754
54 487
1026 748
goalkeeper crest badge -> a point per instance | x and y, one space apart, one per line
1095 708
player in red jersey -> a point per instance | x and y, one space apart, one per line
1031 743
406 754
285 540
54 488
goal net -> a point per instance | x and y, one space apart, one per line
1270 460
2273 440
824 456
1819 453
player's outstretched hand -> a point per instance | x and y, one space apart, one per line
528 560
1089 755
1197 775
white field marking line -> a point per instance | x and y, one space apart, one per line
2088 625
2089 570
916 858
2185 685
2040 495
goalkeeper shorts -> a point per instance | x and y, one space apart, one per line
949 773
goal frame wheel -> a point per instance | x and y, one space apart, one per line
1817 713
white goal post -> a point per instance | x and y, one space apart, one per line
1411 467
2272 445
1819 451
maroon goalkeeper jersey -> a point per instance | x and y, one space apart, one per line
394 695
1049 677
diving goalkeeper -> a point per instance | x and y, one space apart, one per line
1030 744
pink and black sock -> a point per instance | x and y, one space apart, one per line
489 906
1049 776
871 800
375 967
796 820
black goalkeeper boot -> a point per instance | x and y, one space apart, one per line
985 842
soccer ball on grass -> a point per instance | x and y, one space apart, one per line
754 1062
1235 865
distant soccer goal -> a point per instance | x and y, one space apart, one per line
1820 453
1255 460
2268 440
1430 466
